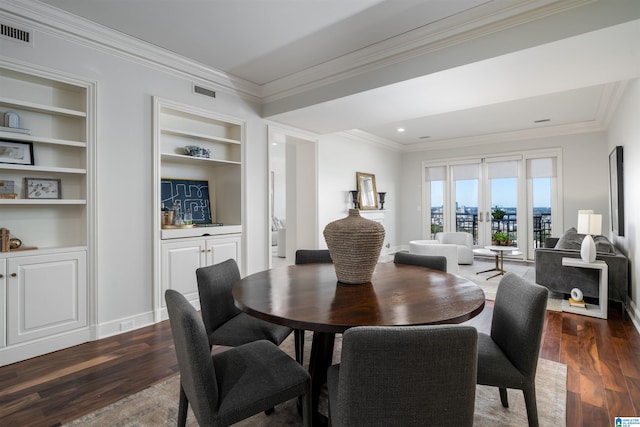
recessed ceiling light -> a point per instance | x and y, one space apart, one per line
400 129
425 137
541 120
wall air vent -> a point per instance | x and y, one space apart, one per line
204 91
13 33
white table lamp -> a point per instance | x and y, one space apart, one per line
589 224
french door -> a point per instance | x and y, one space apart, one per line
507 200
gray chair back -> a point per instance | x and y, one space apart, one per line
215 283
518 321
429 261
409 376
197 375
313 256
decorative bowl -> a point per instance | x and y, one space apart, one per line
195 151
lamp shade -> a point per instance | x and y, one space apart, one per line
589 223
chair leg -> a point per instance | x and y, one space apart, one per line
307 414
532 406
503 397
182 408
299 344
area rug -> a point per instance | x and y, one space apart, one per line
158 404
490 284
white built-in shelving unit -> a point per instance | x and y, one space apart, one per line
43 284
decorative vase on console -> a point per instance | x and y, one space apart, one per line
354 198
381 197
354 244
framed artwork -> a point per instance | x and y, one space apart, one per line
187 193
616 190
42 188
15 152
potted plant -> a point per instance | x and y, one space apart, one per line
500 238
498 213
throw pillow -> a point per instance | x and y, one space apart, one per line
570 239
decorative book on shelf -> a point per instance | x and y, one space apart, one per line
575 303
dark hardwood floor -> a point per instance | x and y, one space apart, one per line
603 381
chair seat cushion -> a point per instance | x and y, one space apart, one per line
255 377
494 368
243 328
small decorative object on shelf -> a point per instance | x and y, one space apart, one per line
12 120
16 152
14 243
5 244
7 189
42 188
354 244
354 198
195 151
381 196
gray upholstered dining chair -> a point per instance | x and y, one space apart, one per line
308 256
430 261
508 358
234 384
407 375
313 256
225 323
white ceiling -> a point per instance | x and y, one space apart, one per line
277 44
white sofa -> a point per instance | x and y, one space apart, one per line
435 248
462 240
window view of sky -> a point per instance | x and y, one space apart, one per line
503 193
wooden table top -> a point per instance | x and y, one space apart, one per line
309 297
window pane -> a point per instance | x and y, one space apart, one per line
504 210
467 207
436 205
541 198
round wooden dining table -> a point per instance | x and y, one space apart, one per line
309 297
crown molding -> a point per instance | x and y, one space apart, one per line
50 20
366 137
438 35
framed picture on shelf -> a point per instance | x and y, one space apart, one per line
15 152
188 194
42 188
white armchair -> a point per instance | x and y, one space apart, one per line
434 247
463 241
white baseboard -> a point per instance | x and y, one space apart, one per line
18 352
634 313
124 324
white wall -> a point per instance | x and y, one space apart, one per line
339 158
625 131
124 165
585 175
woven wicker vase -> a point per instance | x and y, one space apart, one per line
354 244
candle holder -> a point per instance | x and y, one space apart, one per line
354 198
381 198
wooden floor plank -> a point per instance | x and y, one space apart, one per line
603 374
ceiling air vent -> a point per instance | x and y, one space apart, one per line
204 91
14 33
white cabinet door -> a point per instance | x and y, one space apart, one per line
46 295
3 302
220 249
179 263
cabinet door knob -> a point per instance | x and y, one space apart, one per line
1 276
14 275
209 250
